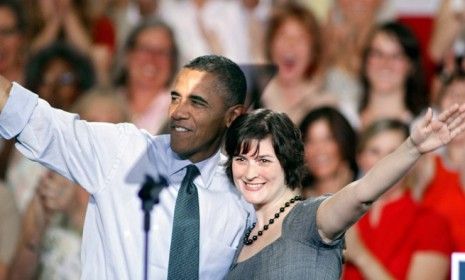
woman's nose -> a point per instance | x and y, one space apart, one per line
251 172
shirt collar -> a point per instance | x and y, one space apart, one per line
206 167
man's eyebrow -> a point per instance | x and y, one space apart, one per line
193 97
198 98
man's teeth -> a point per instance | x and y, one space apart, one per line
181 129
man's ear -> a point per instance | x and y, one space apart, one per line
234 112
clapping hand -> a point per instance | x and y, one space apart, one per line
56 193
355 248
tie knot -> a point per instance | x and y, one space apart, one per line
191 172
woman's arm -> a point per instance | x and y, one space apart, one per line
76 33
346 206
47 35
428 265
26 261
446 19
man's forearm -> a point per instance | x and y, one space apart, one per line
5 87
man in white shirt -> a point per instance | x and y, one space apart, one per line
111 162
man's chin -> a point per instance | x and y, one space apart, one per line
182 152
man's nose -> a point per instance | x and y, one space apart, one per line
179 110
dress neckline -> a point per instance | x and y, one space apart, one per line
241 244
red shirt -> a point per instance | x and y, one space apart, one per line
445 195
405 227
103 33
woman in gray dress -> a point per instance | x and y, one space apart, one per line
302 239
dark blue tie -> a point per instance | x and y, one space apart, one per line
184 252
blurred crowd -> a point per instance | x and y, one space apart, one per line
353 75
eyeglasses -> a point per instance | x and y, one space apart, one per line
158 52
67 78
379 54
64 79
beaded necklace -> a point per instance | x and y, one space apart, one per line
249 241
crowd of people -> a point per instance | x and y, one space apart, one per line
284 111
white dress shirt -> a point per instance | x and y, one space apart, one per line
110 162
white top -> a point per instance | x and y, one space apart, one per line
110 162
221 18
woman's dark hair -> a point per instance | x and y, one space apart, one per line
81 65
416 98
307 19
342 131
263 123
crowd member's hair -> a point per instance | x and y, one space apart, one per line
131 44
307 20
263 123
456 76
416 98
343 133
229 77
81 65
17 9
380 126
85 101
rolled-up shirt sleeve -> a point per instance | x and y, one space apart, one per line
81 151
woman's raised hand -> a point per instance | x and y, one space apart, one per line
433 132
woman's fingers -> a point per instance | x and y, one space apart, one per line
426 118
457 130
448 113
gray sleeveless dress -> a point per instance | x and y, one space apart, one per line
298 254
